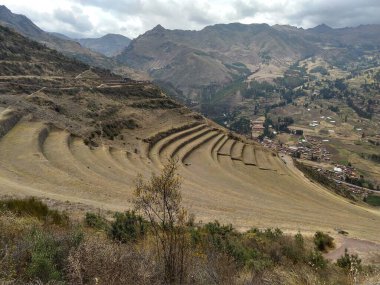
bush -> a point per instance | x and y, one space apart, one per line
49 252
127 227
294 249
323 241
319 69
350 262
101 261
316 260
95 221
42 264
34 208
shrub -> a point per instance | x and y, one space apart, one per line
96 221
127 227
323 241
160 202
316 260
34 208
48 253
350 262
100 261
294 249
43 254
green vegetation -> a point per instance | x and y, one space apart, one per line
95 221
127 227
323 241
265 57
294 77
226 91
362 113
33 208
162 103
377 76
111 129
319 69
257 89
241 125
239 67
350 262
48 253
373 157
334 109
373 200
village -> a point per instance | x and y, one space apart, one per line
312 152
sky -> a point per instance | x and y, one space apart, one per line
95 18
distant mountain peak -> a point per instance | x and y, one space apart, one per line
158 28
23 25
114 36
321 28
108 45
19 23
4 8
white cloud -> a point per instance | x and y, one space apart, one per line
86 18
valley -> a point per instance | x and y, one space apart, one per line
274 132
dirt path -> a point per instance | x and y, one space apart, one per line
368 251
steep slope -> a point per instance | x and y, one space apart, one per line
26 27
79 135
109 45
21 57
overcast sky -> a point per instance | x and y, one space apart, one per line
94 18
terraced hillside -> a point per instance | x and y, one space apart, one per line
83 137
224 179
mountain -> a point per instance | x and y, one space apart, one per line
109 45
217 55
199 63
323 28
26 27
19 23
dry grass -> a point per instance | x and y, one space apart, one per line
52 163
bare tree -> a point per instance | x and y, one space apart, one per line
159 200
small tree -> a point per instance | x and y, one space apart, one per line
159 200
351 263
323 241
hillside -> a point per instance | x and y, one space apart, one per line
26 27
109 45
201 63
79 136
194 60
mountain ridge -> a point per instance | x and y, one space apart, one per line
210 54
26 27
109 44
